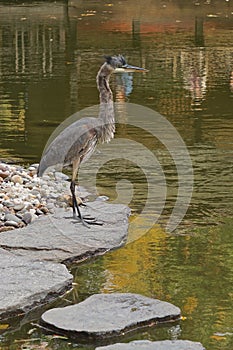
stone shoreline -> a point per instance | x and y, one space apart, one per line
24 197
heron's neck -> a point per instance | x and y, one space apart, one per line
106 111
102 80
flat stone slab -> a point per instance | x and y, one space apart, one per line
155 345
60 238
107 315
26 284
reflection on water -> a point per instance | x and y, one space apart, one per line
50 53
194 272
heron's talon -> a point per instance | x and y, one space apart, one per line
86 224
87 220
92 221
88 217
81 220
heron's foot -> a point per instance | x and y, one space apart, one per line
93 221
81 219
88 220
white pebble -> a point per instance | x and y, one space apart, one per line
17 179
32 211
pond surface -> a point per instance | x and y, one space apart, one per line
49 57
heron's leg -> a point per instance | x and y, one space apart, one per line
74 200
75 206
76 211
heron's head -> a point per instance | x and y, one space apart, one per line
118 64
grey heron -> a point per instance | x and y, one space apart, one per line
75 144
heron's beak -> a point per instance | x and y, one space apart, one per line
127 68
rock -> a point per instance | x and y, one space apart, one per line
107 315
60 238
61 176
8 203
6 228
35 165
21 224
12 217
4 174
39 212
44 210
11 223
18 206
29 186
28 206
27 218
46 177
35 192
3 167
155 345
102 198
44 193
66 197
54 195
50 206
17 179
32 211
28 283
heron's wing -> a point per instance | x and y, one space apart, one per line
77 141
83 147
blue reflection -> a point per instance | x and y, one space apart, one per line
125 80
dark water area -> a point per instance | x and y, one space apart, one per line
49 56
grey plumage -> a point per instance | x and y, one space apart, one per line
78 140
76 143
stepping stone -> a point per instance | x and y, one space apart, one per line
25 284
60 238
155 345
107 315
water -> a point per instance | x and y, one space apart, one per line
50 53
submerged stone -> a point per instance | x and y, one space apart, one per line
26 284
155 345
106 315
